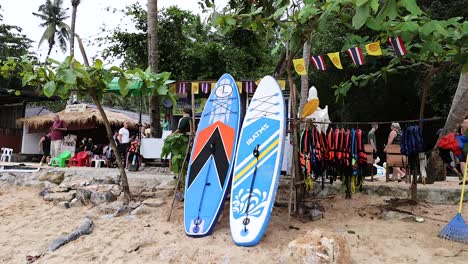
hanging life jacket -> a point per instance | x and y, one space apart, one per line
411 143
450 142
362 157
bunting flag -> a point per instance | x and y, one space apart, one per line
299 66
356 55
319 62
335 59
239 86
398 46
181 88
282 84
172 87
213 86
195 88
373 49
205 87
249 87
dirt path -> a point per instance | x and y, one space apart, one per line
28 224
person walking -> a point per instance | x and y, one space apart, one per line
395 138
124 141
57 133
44 145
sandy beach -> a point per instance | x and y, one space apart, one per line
29 224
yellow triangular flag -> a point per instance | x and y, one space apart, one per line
213 86
258 81
172 87
282 84
299 66
195 88
373 49
335 59
239 86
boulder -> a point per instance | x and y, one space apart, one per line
75 203
64 205
108 208
60 197
52 176
58 189
141 210
317 247
102 197
153 202
83 195
134 204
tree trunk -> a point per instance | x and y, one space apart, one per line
75 4
123 174
82 49
304 78
153 63
459 108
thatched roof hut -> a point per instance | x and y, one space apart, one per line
88 119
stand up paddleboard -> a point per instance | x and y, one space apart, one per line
258 164
211 161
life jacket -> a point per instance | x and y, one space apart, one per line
337 146
361 155
411 143
347 148
303 147
331 146
450 142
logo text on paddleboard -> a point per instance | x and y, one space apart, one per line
257 134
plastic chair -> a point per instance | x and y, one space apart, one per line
6 153
98 162
79 160
61 159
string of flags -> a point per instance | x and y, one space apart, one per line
355 53
206 87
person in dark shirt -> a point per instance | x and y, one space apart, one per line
44 145
185 123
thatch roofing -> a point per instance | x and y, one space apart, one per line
75 120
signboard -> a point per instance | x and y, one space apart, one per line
185 103
69 143
76 108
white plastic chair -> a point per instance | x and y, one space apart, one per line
6 153
98 162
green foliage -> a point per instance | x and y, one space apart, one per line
189 48
175 145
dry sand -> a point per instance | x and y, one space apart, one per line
28 224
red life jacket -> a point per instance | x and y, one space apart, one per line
331 146
362 157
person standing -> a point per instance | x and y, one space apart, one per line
395 138
124 140
463 130
372 139
57 133
44 145
185 123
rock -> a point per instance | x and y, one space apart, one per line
52 176
75 203
84 229
316 214
141 210
83 195
44 192
122 210
102 197
153 202
50 185
134 204
8 178
64 205
389 215
59 197
318 247
58 189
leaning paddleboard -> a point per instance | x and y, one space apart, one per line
258 164
211 162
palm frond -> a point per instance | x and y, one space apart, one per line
49 34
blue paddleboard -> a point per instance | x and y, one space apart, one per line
211 162
258 164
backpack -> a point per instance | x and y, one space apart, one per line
411 143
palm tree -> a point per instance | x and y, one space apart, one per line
53 16
155 102
75 4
